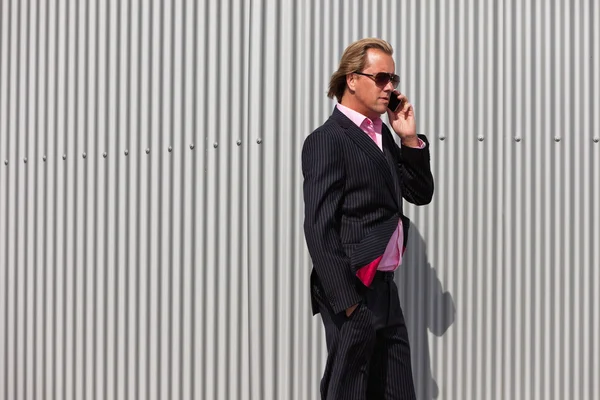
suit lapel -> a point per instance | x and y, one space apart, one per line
388 144
367 145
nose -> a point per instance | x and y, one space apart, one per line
389 87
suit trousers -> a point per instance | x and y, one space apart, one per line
368 353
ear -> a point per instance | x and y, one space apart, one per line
351 81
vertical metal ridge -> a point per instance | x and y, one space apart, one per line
104 174
65 200
245 107
254 365
4 210
478 239
560 201
96 371
219 204
276 261
546 176
149 248
171 209
577 286
45 203
76 214
453 127
537 387
244 102
10 271
172 303
514 375
16 209
595 348
159 262
127 264
569 221
105 356
54 129
587 275
138 263
119 304
294 226
8 351
26 261
529 290
193 256
586 209
182 210
259 204
229 60
555 72
204 182
85 276
16 213
118 177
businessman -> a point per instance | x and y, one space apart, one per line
355 180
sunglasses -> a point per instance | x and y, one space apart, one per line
382 78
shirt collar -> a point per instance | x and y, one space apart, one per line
360 120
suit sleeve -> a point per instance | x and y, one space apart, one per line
415 174
324 177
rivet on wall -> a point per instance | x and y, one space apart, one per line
148 151
259 140
480 138
596 140
215 145
170 149
126 152
84 155
239 142
44 158
64 156
192 146
517 138
5 162
442 138
25 160
104 154
557 139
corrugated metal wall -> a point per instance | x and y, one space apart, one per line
151 240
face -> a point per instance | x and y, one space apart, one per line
369 99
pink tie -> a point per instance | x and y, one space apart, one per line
371 132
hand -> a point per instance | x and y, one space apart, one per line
350 310
403 121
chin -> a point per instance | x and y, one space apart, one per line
381 110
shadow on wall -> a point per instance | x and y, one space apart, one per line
426 307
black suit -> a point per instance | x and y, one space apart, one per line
353 200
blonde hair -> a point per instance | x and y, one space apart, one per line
354 59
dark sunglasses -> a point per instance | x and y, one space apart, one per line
382 78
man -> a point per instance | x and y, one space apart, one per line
355 177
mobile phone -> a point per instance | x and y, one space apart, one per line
394 102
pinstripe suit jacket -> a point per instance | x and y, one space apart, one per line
353 200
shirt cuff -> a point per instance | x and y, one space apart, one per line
421 144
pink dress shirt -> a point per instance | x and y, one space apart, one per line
392 257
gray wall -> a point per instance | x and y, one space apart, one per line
151 239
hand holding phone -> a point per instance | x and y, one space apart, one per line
402 118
